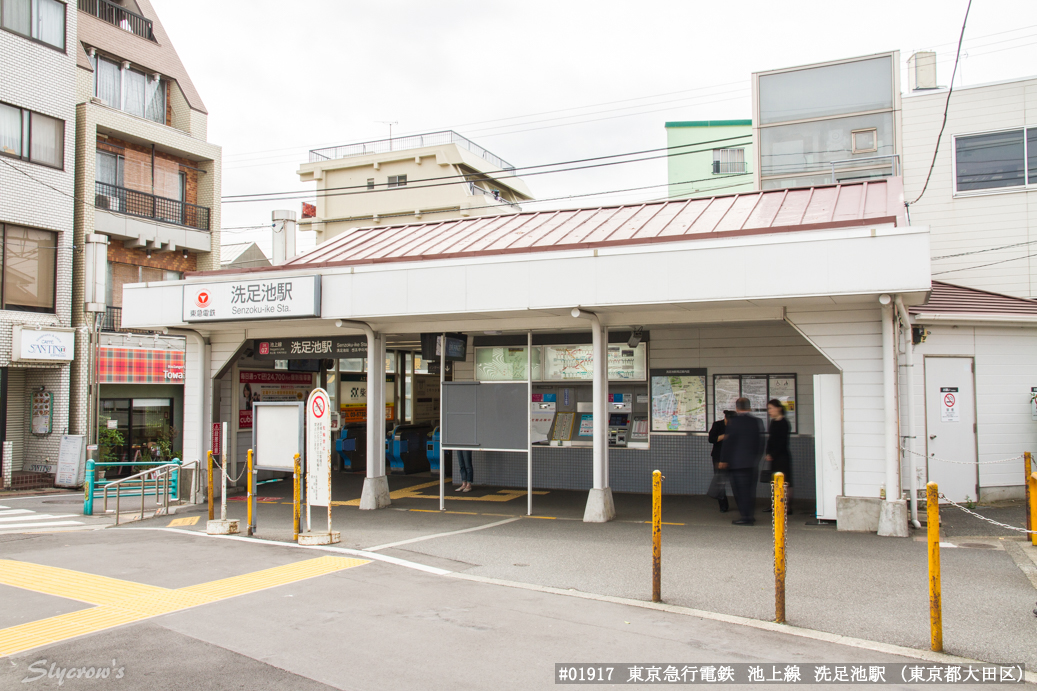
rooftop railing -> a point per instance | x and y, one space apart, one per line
118 16
415 141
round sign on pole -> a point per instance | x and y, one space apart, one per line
318 449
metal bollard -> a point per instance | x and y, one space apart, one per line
1028 470
249 486
295 499
657 535
88 502
779 516
1031 485
212 507
932 510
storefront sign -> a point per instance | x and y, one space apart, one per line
310 348
260 298
269 387
949 407
318 449
353 398
29 344
42 412
140 366
71 461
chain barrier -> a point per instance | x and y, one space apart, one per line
988 520
217 464
947 460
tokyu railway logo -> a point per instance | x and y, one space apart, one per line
202 298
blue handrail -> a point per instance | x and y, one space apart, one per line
91 483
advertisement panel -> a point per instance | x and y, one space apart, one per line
269 387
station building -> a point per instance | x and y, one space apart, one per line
797 294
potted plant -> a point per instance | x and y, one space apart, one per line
109 441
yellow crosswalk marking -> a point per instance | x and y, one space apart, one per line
122 602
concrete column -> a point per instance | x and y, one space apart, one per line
600 507
893 513
375 494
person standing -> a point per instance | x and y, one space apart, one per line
464 464
779 454
740 455
718 487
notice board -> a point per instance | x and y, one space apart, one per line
487 416
71 461
277 435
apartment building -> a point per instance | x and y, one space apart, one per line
432 176
37 137
150 183
709 157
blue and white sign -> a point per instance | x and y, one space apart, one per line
49 345
258 297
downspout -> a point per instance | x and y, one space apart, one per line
909 445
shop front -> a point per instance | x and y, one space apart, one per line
645 321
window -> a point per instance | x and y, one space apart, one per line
865 141
41 20
397 181
370 183
843 88
32 136
130 90
992 161
728 161
29 269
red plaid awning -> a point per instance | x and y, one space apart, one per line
139 366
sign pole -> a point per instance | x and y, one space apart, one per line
529 424
442 454
220 448
318 466
224 456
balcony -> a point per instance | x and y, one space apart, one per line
113 322
142 205
417 141
118 16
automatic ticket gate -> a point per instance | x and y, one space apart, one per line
405 449
352 447
432 449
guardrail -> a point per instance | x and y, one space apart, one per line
415 141
161 480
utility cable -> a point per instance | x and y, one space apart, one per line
981 266
989 249
946 105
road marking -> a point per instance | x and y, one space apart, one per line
432 537
6 528
186 520
27 520
121 602
11 512
34 517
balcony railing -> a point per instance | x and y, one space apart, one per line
118 16
133 203
113 321
381 146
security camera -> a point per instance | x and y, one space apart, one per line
635 336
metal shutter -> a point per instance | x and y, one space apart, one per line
17 413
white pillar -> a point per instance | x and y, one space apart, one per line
893 514
600 507
909 442
375 494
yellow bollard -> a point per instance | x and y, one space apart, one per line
778 516
212 507
1028 470
1032 486
295 500
657 535
932 510
250 487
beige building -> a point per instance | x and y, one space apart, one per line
424 177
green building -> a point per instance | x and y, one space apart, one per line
709 157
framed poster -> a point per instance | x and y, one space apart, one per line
678 400
42 413
758 388
269 387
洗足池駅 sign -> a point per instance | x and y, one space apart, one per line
258 298
309 348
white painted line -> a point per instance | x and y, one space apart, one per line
8 526
374 556
452 532
33 517
12 512
44 529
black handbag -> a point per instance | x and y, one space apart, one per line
718 485
766 474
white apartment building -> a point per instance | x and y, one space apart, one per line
37 145
432 176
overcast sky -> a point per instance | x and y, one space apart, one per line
533 82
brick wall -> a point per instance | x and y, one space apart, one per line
137 169
170 261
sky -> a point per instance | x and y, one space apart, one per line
533 82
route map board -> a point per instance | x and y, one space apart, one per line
678 400
563 430
504 363
563 362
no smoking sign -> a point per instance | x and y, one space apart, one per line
949 411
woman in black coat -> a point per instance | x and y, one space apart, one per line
778 452
716 438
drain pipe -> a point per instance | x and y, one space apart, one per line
909 362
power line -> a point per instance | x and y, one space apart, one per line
467 177
946 105
989 249
980 266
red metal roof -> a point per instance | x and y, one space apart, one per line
951 299
771 211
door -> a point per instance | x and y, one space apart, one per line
950 427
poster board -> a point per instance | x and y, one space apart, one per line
678 400
426 398
42 413
269 387
71 461
758 388
540 422
277 434
487 416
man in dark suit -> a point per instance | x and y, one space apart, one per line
740 455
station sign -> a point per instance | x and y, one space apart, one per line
258 298
309 348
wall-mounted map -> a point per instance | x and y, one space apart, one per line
678 400
577 362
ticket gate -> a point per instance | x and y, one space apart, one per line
352 447
406 451
432 449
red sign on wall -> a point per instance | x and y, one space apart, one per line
215 439
140 366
